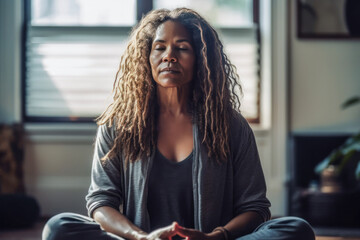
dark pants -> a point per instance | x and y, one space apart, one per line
70 226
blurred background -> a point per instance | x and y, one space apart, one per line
58 59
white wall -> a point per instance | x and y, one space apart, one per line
10 53
324 73
57 168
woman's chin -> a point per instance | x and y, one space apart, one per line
169 83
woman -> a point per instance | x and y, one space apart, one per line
172 150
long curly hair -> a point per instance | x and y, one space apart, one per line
134 107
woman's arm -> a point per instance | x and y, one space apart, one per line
114 222
105 193
106 187
244 223
249 192
251 206
241 225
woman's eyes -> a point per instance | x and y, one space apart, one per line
181 48
159 47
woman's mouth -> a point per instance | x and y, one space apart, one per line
169 71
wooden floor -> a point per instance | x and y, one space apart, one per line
33 233
336 238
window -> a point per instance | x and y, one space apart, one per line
73 48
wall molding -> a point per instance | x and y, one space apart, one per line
274 68
60 132
59 182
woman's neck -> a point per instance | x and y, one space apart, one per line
173 101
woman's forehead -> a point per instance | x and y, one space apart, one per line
170 30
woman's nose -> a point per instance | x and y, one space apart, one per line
170 56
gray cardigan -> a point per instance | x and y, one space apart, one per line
221 191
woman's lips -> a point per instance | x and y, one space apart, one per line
169 71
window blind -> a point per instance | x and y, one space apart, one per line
70 70
242 49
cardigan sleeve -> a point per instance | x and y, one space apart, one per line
105 188
249 181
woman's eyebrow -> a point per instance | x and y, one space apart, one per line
179 40
183 40
159 40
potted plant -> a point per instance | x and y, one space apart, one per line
333 166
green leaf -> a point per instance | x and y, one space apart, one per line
341 155
351 101
357 171
335 155
346 159
322 165
355 146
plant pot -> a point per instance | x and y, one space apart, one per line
330 180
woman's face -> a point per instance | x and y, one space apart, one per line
172 56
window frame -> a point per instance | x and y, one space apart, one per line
142 8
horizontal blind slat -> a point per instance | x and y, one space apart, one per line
242 49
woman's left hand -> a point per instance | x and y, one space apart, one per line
193 234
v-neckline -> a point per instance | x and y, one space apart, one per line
174 162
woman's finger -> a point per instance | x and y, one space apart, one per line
169 231
183 232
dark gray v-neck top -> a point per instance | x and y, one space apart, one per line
170 195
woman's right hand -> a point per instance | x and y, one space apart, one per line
159 234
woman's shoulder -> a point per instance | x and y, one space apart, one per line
238 122
106 132
240 130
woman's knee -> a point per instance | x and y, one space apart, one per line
56 227
297 227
